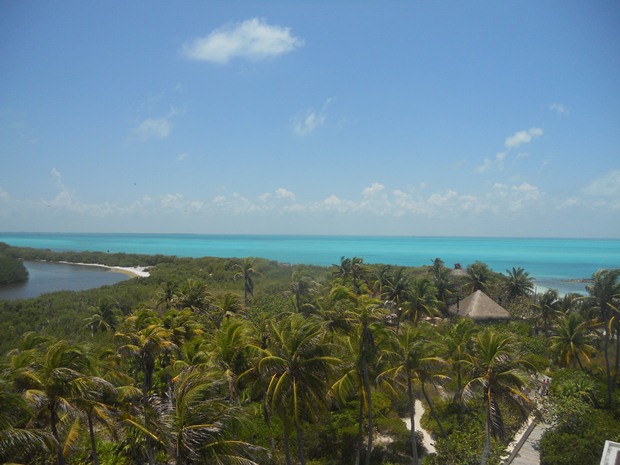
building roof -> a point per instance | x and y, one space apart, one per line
479 306
611 453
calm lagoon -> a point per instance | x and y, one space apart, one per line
51 277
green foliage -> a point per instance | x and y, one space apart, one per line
12 270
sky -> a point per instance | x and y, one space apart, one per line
408 118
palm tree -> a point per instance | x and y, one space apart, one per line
497 374
477 277
422 300
246 270
353 269
411 362
302 284
572 341
104 317
144 346
548 304
458 347
518 283
367 334
200 423
296 365
16 442
50 385
229 352
381 278
604 297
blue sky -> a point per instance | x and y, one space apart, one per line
479 118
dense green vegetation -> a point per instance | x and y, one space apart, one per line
12 270
245 360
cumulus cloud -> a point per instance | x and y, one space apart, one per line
605 186
522 137
252 39
154 128
488 164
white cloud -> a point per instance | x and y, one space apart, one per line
522 137
311 120
285 194
559 109
488 164
606 186
154 128
252 39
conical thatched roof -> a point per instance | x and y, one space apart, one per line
480 307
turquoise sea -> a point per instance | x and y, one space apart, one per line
552 262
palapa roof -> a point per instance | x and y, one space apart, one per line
479 306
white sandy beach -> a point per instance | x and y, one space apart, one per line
133 271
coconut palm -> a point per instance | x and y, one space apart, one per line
200 423
517 283
422 300
548 305
477 277
302 285
458 342
572 341
411 362
296 365
246 270
50 385
229 352
496 374
145 346
18 443
104 317
362 343
604 298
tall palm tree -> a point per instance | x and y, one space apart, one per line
604 298
229 353
518 283
363 344
458 342
246 270
572 341
548 304
296 365
496 374
145 346
302 285
411 362
104 317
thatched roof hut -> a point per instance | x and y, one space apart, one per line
479 307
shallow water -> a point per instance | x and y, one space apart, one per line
52 277
550 261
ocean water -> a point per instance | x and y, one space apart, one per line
552 262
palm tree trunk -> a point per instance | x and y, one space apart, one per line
93 444
433 411
287 447
610 386
369 406
300 445
487 440
414 442
360 423
54 427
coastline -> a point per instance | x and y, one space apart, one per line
131 271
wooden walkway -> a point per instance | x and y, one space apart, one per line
526 452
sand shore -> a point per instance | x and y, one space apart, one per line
132 271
